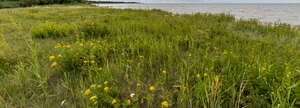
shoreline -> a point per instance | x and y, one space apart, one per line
112 2
175 10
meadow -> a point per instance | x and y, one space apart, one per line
83 56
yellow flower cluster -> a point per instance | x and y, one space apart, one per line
198 76
106 89
53 64
151 88
93 86
114 101
93 98
58 46
164 104
51 58
93 62
91 92
128 101
205 74
138 84
225 52
87 92
100 69
105 82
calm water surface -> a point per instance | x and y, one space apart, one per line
267 13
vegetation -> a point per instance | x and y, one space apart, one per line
9 4
95 57
26 3
45 2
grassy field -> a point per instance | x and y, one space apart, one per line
84 56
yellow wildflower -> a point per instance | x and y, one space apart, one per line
151 88
93 86
128 101
138 84
53 64
51 58
114 101
99 86
205 74
141 57
59 56
45 79
93 98
68 46
85 61
225 52
198 75
130 61
105 82
100 69
87 92
263 68
216 79
57 46
81 44
190 55
164 72
164 104
106 89
93 61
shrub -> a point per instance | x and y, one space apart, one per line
44 2
80 56
94 29
52 30
9 4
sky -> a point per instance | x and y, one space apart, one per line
210 1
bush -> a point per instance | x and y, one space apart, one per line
52 30
94 29
81 56
44 2
9 4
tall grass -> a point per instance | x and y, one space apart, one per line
52 30
99 57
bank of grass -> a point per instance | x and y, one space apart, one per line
96 57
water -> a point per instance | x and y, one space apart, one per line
267 13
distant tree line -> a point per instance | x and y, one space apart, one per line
44 2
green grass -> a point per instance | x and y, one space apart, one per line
63 55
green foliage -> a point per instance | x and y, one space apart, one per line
44 2
52 30
94 29
9 4
152 58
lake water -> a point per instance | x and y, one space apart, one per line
267 13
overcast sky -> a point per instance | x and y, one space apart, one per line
211 1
